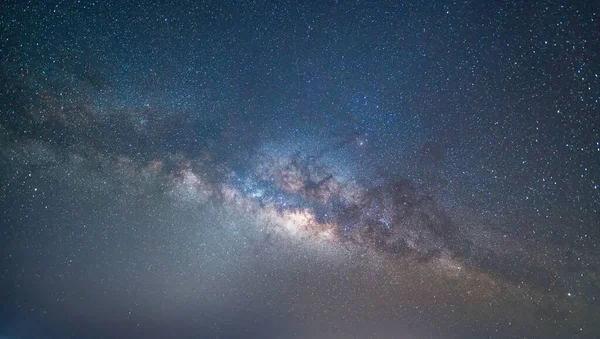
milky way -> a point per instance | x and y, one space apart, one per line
286 170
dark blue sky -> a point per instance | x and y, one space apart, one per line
289 169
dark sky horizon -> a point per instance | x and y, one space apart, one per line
331 169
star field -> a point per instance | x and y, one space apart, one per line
336 169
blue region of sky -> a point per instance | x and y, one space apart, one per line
172 144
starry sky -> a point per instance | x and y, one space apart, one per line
290 169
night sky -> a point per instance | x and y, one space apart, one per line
290 169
